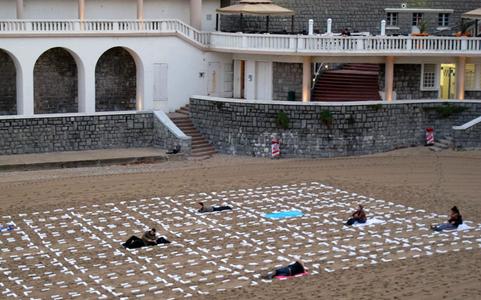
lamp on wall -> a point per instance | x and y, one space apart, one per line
201 74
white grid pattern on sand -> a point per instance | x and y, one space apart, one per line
75 252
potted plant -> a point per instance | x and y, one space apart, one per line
423 29
463 30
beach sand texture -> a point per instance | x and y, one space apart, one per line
74 221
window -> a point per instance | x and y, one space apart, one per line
392 18
470 77
429 77
417 19
443 20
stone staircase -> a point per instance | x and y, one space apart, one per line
201 148
353 82
442 144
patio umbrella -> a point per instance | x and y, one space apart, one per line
476 16
256 8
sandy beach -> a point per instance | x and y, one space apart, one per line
415 177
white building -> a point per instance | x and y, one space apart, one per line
169 51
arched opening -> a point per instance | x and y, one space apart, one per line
115 81
55 79
8 85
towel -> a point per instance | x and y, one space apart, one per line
372 221
284 214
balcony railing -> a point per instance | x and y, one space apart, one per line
257 43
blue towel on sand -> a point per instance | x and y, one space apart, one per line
284 214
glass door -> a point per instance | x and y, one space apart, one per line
448 81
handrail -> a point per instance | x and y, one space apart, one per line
262 43
468 125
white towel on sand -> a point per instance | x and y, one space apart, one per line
463 227
372 221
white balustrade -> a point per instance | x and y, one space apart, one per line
268 43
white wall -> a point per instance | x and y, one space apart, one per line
50 9
185 64
167 9
110 9
209 9
8 9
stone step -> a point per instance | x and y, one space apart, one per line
441 145
446 141
201 149
203 153
435 149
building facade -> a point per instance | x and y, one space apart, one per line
86 56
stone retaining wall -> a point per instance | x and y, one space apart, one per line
247 127
469 138
84 132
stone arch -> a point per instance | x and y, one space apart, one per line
55 78
8 84
117 80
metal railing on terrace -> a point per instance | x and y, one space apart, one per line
255 43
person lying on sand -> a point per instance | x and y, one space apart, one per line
149 238
455 219
205 208
291 270
359 216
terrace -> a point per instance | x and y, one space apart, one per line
326 44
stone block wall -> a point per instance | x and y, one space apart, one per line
473 95
469 138
246 128
407 82
354 14
55 83
287 77
84 132
115 81
165 139
8 88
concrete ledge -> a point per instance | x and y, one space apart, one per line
347 103
90 158
76 115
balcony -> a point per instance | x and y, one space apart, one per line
326 45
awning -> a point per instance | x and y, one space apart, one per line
474 14
257 8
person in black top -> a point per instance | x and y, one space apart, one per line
149 238
359 216
455 219
291 270
206 208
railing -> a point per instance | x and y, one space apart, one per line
259 43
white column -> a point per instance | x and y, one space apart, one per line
460 71
306 79
389 78
196 14
19 9
81 10
311 27
25 95
383 27
86 87
140 10
329 26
